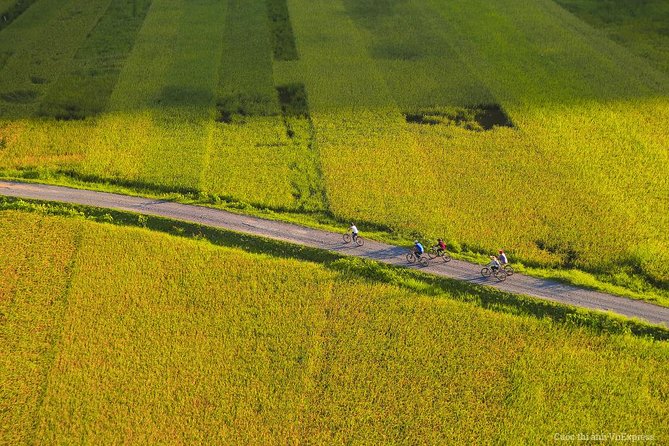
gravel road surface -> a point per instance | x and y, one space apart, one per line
394 255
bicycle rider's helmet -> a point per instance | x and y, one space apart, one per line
501 251
415 241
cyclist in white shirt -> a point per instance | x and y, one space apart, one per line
494 263
354 231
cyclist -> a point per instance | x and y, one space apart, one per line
441 246
502 258
418 249
494 263
354 232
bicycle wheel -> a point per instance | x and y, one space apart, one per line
447 257
485 272
411 257
500 275
359 241
423 261
508 269
347 238
432 253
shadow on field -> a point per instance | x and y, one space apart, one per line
185 96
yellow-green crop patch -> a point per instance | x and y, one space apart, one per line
35 267
583 130
491 124
149 338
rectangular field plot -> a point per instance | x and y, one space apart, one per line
185 108
84 88
149 338
252 160
35 268
29 144
41 48
259 152
171 350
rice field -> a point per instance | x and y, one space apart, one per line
528 126
122 335
639 26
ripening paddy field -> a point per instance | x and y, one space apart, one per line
534 126
115 334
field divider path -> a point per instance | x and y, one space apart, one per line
316 238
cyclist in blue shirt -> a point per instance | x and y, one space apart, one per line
418 248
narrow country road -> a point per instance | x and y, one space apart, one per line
394 255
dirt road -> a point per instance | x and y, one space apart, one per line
394 255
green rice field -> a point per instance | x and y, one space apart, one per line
534 126
537 127
115 334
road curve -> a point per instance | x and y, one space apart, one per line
393 255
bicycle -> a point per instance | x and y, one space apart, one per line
508 269
412 258
499 274
434 252
348 238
